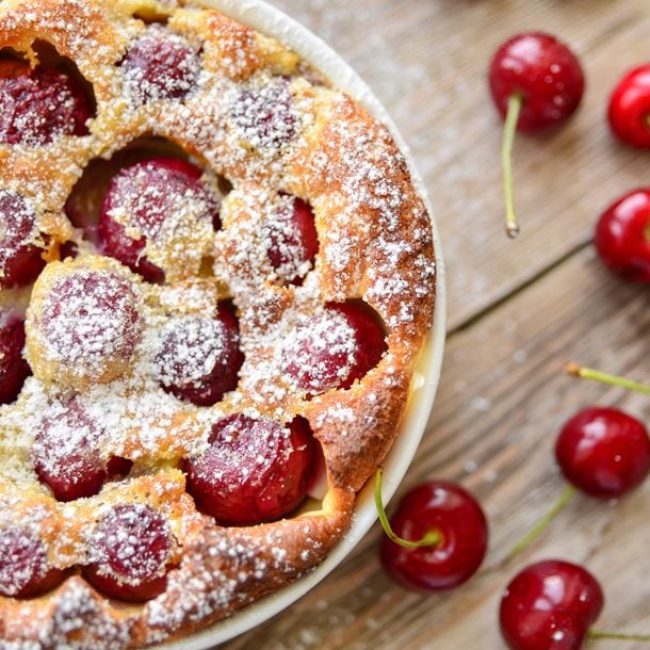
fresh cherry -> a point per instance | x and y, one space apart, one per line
200 358
38 105
13 367
131 553
436 540
604 452
21 259
550 605
622 235
24 568
292 240
146 195
629 107
161 65
536 82
255 470
66 453
334 348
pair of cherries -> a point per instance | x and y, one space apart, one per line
130 552
438 537
537 82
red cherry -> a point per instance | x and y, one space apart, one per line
38 105
146 195
161 65
629 107
20 259
24 568
130 553
90 319
68 250
550 606
13 368
200 357
66 453
255 470
604 452
292 240
536 82
456 519
334 348
265 115
623 236
544 72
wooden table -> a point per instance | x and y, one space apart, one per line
518 311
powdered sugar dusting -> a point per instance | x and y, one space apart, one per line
90 319
17 225
192 346
265 115
22 560
160 65
260 122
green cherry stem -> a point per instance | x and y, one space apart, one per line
564 500
512 117
596 635
432 538
613 380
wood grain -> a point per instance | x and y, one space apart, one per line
518 312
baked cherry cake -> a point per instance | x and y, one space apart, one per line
216 276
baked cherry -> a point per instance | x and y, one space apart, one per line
161 65
255 470
68 250
550 605
629 107
131 553
24 568
536 82
334 348
13 367
264 116
66 453
21 258
291 239
40 104
622 235
603 452
149 196
436 540
91 323
200 358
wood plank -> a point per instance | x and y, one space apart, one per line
427 61
503 398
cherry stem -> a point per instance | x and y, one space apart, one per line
431 538
613 380
544 522
594 635
512 117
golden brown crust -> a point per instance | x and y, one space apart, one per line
375 245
